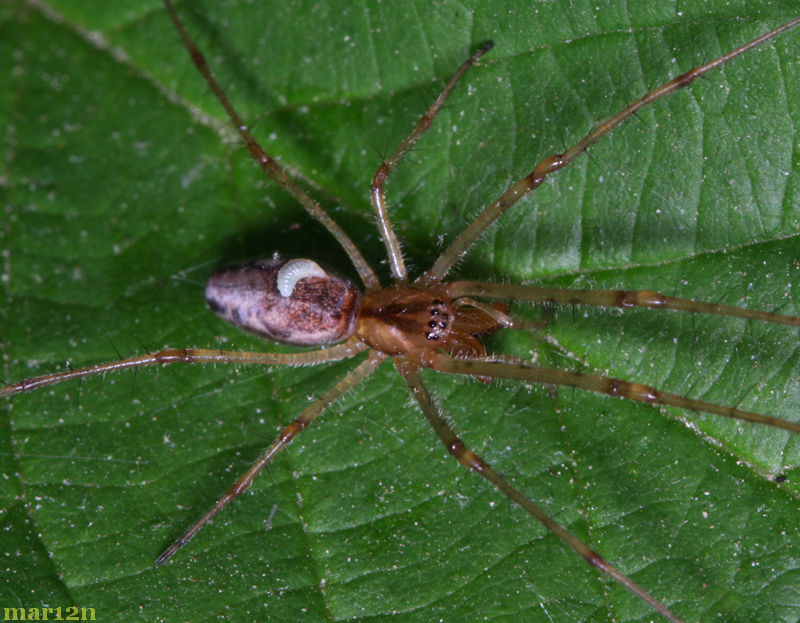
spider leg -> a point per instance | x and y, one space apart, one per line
410 372
459 247
268 163
608 298
337 352
360 372
503 367
377 192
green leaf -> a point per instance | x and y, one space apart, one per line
124 188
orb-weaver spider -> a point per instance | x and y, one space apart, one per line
463 122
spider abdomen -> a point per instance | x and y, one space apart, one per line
289 301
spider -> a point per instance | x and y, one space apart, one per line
492 389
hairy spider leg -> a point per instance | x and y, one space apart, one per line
459 247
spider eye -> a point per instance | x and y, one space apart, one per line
289 301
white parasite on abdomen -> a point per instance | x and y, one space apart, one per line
295 270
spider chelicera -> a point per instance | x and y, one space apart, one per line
469 304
